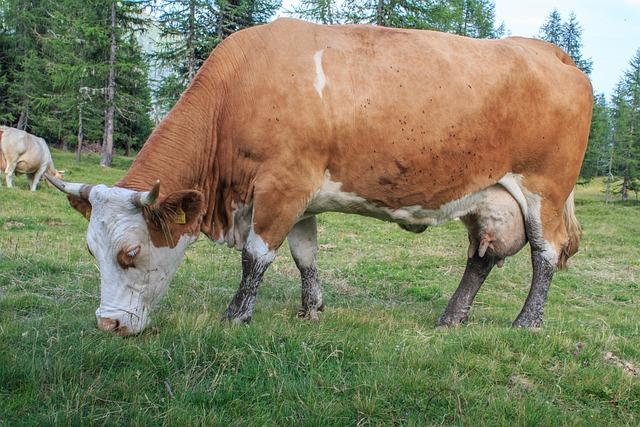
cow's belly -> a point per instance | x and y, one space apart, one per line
27 167
329 198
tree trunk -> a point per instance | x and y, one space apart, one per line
22 120
380 13
220 23
191 62
609 175
625 188
329 14
107 143
65 145
80 134
466 18
127 150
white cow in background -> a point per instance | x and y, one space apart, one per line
23 153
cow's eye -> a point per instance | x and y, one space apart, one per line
132 253
126 256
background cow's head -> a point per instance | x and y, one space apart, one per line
138 240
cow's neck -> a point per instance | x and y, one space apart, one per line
181 150
184 151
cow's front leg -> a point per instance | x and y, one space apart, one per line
256 259
10 171
273 218
303 243
474 276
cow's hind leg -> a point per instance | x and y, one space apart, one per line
30 181
496 231
475 273
35 179
547 236
532 312
303 243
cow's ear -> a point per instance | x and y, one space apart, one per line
81 205
177 214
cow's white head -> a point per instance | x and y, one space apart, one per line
138 241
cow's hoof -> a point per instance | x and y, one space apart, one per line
413 228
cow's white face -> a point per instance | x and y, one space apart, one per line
138 242
134 274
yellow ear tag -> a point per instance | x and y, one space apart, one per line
87 214
181 217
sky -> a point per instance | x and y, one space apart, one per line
611 30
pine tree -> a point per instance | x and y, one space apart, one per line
125 17
629 151
133 104
418 14
54 62
596 156
624 156
24 22
571 42
321 11
184 31
553 29
190 29
566 35
474 18
7 64
73 47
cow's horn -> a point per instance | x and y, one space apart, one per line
148 198
74 189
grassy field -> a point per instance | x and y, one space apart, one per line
375 357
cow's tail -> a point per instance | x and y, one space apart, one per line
574 232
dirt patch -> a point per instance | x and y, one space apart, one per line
626 366
520 382
92 148
11 225
56 223
327 247
342 286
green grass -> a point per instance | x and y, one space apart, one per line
375 357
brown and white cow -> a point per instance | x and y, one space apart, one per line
290 119
23 153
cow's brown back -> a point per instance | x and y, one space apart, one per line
406 117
